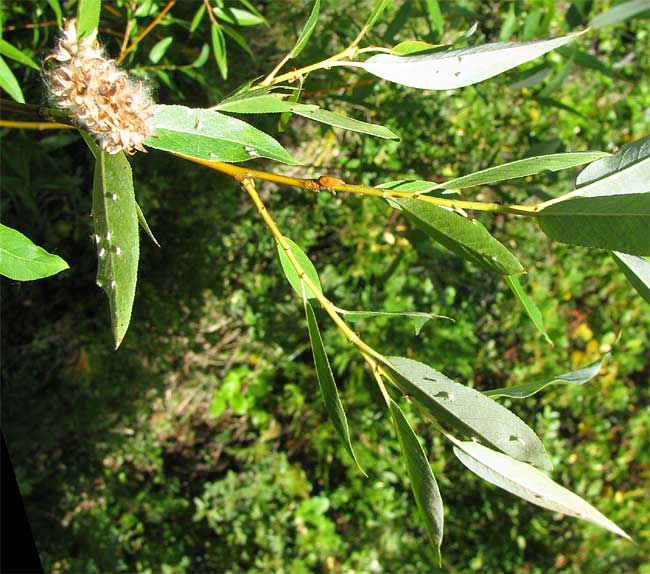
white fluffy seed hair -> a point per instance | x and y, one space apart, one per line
116 109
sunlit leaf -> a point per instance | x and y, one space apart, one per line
468 238
88 16
116 236
22 260
9 83
292 275
158 51
209 135
528 483
328 385
615 222
532 310
263 104
307 30
468 411
522 168
238 16
377 11
340 121
579 377
6 49
435 16
219 49
413 47
637 271
56 8
624 158
457 68
423 482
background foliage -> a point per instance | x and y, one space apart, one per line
202 444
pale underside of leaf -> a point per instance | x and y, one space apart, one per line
457 68
528 483
467 410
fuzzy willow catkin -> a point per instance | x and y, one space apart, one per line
116 109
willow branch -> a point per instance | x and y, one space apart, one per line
325 184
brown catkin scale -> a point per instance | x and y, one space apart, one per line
99 96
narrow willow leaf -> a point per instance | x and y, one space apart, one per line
377 11
158 51
88 16
423 482
56 8
143 223
616 222
328 385
620 13
292 275
238 16
9 83
532 310
586 60
579 377
307 31
468 411
419 319
523 168
414 47
219 49
458 68
206 134
6 49
116 236
435 16
625 157
22 260
263 104
528 483
637 271
239 39
468 238
196 20
202 58
339 121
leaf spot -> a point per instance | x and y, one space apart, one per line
114 196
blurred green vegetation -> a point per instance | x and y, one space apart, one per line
202 445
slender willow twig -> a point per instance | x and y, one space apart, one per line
240 172
146 31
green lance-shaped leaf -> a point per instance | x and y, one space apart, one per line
620 13
160 48
292 275
418 318
423 482
468 411
522 168
532 310
262 104
457 68
637 271
56 8
9 83
616 222
307 31
22 260
116 236
624 158
328 385
528 483
414 47
468 238
6 49
340 121
435 16
239 17
579 377
219 49
88 16
209 135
